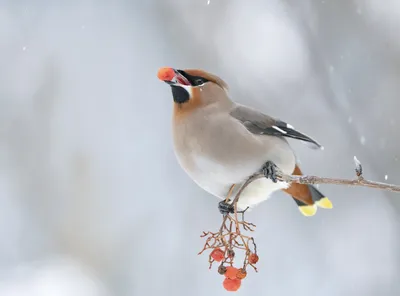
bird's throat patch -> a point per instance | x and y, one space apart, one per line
186 103
180 94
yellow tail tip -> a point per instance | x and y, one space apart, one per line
308 211
324 203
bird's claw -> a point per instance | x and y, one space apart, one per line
225 208
270 171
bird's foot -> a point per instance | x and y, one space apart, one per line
270 171
225 208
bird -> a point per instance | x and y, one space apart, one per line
220 143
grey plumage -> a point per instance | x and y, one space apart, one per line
217 150
219 143
262 124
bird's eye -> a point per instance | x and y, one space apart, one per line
197 81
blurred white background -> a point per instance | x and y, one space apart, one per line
92 200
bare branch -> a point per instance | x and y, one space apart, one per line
235 200
304 179
355 182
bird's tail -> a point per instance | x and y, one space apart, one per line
321 200
307 197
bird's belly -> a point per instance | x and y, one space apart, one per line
259 191
219 157
217 178
256 192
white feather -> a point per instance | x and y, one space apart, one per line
279 130
259 191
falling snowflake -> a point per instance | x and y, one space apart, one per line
208 2
24 48
386 177
362 140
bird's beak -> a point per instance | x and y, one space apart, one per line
173 77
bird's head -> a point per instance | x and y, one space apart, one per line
193 88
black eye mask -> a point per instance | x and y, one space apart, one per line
194 80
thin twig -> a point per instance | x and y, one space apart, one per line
356 182
235 200
359 181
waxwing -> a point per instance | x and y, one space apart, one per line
220 143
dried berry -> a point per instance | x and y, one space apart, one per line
217 254
231 272
241 274
232 285
231 253
221 269
253 258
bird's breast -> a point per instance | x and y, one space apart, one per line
217 151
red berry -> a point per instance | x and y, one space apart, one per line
221 269
253 258
231 272
232 285
241 274
217 254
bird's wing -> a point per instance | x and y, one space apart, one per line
262 124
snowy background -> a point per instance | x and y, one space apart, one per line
92 200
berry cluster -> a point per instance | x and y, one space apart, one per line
233 275
223 245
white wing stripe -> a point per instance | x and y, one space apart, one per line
279 130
